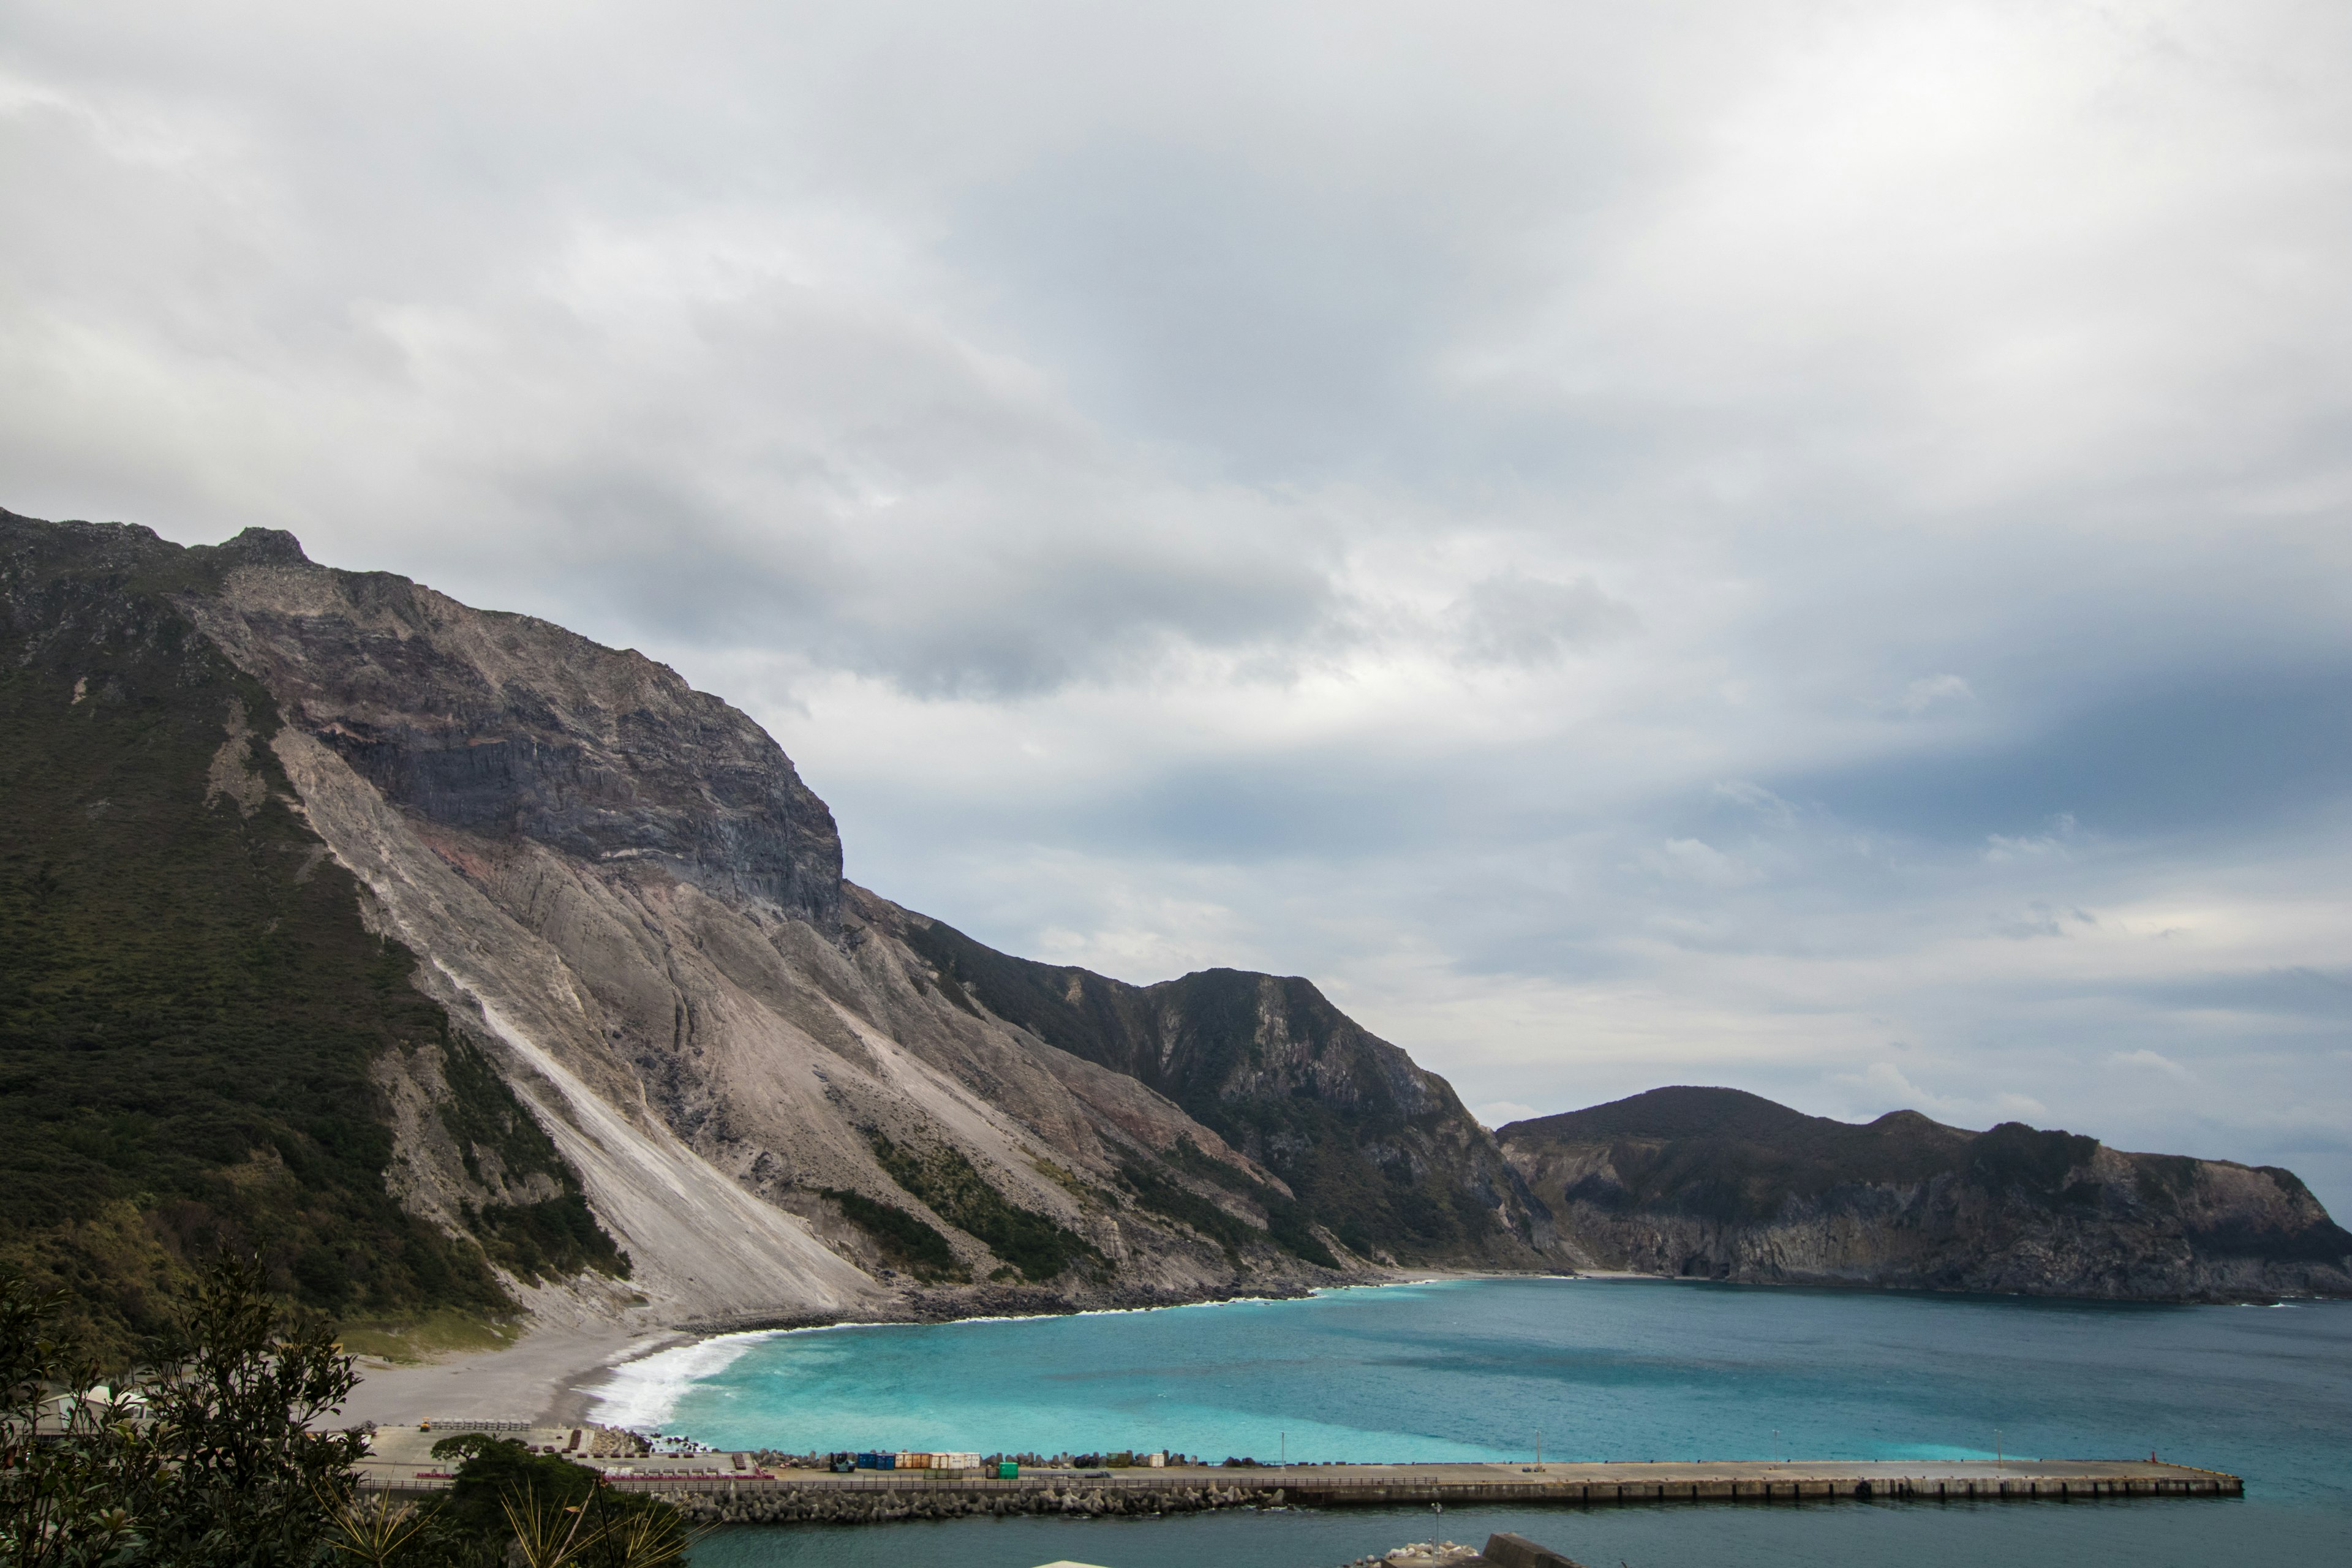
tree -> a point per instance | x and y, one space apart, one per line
219 1457
73 1458
560 1512
235 1400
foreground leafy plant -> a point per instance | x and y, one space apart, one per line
220 1458
547 1534
72 1455
234 1403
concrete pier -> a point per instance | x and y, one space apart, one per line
733 1486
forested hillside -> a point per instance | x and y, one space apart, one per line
189 1002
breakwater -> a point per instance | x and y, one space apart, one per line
786 1503
797 1497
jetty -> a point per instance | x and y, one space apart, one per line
737 1487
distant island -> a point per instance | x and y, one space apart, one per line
483 976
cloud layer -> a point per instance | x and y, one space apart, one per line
1801 545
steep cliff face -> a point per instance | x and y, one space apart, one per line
772 1094
1376 1149
503 726
1716 1184
624 885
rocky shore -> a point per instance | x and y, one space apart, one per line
826 1506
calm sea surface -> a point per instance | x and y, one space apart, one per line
1592 1369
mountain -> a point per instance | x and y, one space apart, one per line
458 961
1716 1184
461 964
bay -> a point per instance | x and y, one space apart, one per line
1485 1369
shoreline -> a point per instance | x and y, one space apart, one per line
552 1375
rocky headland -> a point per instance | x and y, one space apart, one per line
1715 1184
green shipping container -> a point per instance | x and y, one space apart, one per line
1007 1470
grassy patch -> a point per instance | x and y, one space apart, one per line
553 1239
443 1331
1286 1221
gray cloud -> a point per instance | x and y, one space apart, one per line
1515 620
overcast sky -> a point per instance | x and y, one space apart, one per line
1794 545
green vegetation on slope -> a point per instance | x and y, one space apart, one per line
1034 1244
553 1238
189 1003
1162 1197
905 1241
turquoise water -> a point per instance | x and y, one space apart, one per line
1618 1369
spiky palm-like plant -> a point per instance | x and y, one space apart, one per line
374 1531
549 1534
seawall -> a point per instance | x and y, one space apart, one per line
802 1496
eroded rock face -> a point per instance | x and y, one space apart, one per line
1713 1183
503 725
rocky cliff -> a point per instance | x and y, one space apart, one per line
775 1094
1716 1184
1370 1144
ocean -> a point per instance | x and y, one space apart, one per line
1488 1369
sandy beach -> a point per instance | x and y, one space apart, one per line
545 1378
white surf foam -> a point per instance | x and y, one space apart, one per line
643 1394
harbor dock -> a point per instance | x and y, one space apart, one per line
736 1485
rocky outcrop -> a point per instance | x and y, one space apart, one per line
825 1505
1715 1184
504 726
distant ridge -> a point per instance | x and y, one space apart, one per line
1721 1183
1682 1111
